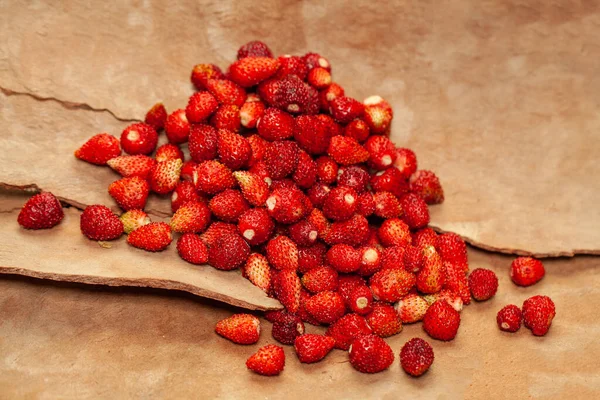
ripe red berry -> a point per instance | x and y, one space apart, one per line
311 348
139 138
416 357
192 249
526 271
441 321
347 329
98 222
269 360
99 149
371 354
254 48
483 284
42 211
538 313
156 117
509 318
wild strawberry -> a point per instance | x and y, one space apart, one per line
413 259
215 231
128 166
344 258
303 233
393 257
321 223
432 276
191 217
226 92
365 205
192 249
358 130
269 360
256 226
282 253
228 205
311 348
42 211
391 284
229 251
384 320
289 93
378 114
287 287
281 158
456 281
326 307
130 193
203 141
390 180
292 65
526 271
156 117
347 283
329 94
133 219
251 112
509 318
285 184
320 279
200 106
406 162
370 260
177 126
306 171
201 73
354 231
100 223
287 328
258 271
227 117
327 170
213 177
167 152
340 203
427 237
387 205
188 170
446 295
347 151
355 177
250 71
411 308
538 313
99 149
344 109
155 236
382 152
361 300
239 328
254 189
416 213
319 78
184 192
441 321
483 284
394 232
427 185
371 354
276 125
233 149
453 250
416 357
286 205
347 329
165 176
258 147
314 60
311 257
254 48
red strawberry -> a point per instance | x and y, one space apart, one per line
394 232
256 226
416 213
357 129
347 283
393 257
456 281
184 192
276 125
133 219
509 318
291 65
311 348
384 320
254 189
259 147
215 231
128 166
382 152
311 257
448 296
483 284
391 284
226 92
326 307
188 170
416 357
100 223
361 300
229 251
138 138
354 232
340 203
354 177
406 162
228 205
227 117
233 149
203 143
538 313
327 170
329 94
441 321
365 205
427 185
453 250
130 193
413 259
306 171
290 94
281 158
42 211
344 258
286 205
287 328
344 109
167 152
371 354
250 71
287 287
303 233
320 279
314 60
269 360
201 73
165 176
370 260
390 180
412 308
347 329
387 205
213 177
239 328
526 271
156 117
99 149
432 276
377 114
319 78
427 237
251 112
155 236
177 126
191 217
282 253
347 151
200 106
258 271
192 249
321 223
254 48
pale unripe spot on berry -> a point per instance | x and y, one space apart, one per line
249 234
174 196
386 160
327 189
313 235
133 135
370 256
505 325
323 62
300 328
372 100
293 108
349 199
268 180
183 117
379 173
271 202
330 96
245 118
362 302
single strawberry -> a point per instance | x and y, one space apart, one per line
200 106
456 281
406 162
287 328
326 307
361 300
416 357
276 125
390 180
377 114
130 193
256 226
42 211
167 152
226 91
394 232
258 147
357 129
269 360
286 205
344 109
184 192
100 223
305 174
291 65
254 189
229 251
441 321
254 48
432 276
138 138
413 259
282 253
427 237
201 73
191 217
99 149
128 166
384 320
329 94
239 328
213 177
538 313
302 313
526 271
311 348
311 257
483 284
281 158
303 233
177 126
320 279
340 203
227 117
415 211
371 354
509 318
327 170
165 176
321 223
203 140
287 287
215 231
354 231
393 257
251 112
156 117
427 185
387 205
192 249
411 308
347 284
382 152
344 258
250 71
314 60
347 329
258 271
234 150
319 78
370 260
446 295
391 284
354 177
228 205
290 94
347 151
133 219
155 236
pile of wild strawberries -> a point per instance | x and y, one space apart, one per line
299 186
